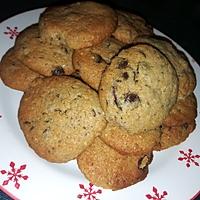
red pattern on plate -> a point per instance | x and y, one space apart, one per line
11 32
14 175
189 158
89 193
156 195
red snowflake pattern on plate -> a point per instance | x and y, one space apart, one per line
89 193
14 175
11 32
156 195
189 158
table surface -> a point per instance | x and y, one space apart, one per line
178 19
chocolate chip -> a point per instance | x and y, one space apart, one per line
115 98
125 75
94 113
131 97
58 71
97 58
123 64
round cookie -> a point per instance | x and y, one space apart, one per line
174 135
105 167
95 59
14 73
184 111
44 58
185 73
78 25
55 123
138 89
131 26
126 143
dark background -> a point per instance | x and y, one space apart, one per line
179 19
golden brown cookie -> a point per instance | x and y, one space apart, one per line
78 25
105 167
125 143
138 89
91 62
14 73
131 26
185 72
44 58
54 121
174 135
184 111
27 34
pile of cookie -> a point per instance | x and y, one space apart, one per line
101 87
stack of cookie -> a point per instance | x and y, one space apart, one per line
100 87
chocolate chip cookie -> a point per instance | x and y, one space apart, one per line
54 121
105 167
138 89
78 25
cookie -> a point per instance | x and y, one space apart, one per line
78 25
131 26
126 143
105 167
14 73
174 135
92 61
27 34
55 123
44 58
185 72
184 111
138 89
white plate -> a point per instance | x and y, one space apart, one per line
34 178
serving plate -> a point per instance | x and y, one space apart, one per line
173 175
